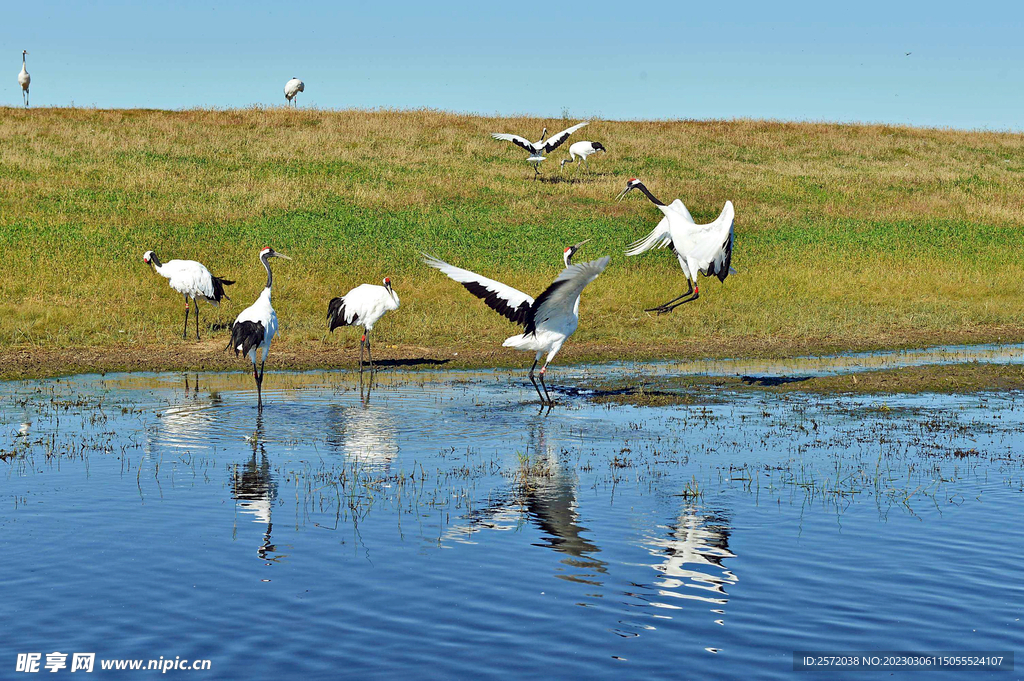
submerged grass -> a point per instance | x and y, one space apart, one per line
847 236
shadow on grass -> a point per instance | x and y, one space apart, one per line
417 361
772 381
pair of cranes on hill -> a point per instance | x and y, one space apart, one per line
578 152
547 321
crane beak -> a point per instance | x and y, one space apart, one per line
623 193
281 255
577 246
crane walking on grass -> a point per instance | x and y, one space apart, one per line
548 321
704 249
362 306
24 79
192 280
292 89
579 151
541 147
255 327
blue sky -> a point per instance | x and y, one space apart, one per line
622 60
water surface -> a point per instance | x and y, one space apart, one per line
441 525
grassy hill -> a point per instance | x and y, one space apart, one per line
846 236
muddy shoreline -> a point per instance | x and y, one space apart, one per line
210 355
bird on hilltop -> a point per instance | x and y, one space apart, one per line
362 306
192 280
292 89
255 327
579 151
700 249
539 148
548 320
24 80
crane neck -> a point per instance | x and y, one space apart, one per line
270 275
651 196
23 61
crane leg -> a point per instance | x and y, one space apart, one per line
184 334
534 380
545 386
197 318
258 377
369 356
668 309
362 345
664 307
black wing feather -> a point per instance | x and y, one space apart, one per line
518 315
246 334
336 314
218 288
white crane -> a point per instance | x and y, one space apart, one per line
255 327
579 151
192 280
704 249
292 88
549 320
539 148
23 78
362 306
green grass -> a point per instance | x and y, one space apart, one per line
846 236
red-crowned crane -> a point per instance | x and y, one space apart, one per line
549 320
539 148
362 306
255 327
192 280
24 79
704 249
292 89
579 151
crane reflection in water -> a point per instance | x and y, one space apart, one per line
365 433
254 490
545 494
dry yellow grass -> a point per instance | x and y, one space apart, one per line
847 236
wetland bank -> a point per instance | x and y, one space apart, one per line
438 517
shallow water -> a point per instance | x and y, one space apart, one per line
441 525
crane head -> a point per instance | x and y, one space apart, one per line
148 257
269 252
24 52
630 186
561 165
571 251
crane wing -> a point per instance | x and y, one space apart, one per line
678 206
659 237
556 141
559 299
710 246
510 303
516 140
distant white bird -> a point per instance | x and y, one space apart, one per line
24 79
192 280
539 148
362 306
579 151
255 327
292 88
549 320
704 249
